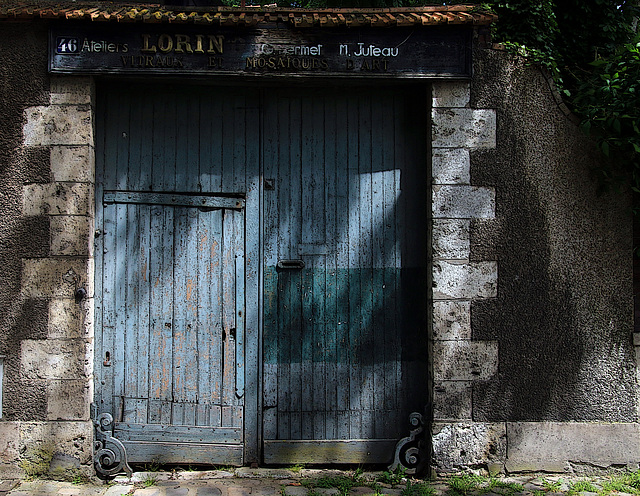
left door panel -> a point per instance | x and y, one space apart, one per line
176 188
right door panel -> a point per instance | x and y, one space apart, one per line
345 281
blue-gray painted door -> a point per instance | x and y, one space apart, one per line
345 254
261 271
176 188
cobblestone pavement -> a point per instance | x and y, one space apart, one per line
282 482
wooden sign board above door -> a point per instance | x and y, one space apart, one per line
168 50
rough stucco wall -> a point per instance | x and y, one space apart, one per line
563 314
21 46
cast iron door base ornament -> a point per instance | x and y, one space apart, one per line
110 456
411 452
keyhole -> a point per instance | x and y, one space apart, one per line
107 359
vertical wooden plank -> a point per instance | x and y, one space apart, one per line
270 353
141 143
192 143
290 236
168 157
400 158
180 351
343 180
119 352
272 190
109 322
216 311
190 298
366 223
319 228
130 282
228 140
355 323
228 315
161 318
165 282
309 235
122 140
391 270
146 128
136 114
252 295
160 130
204 335
378 173
331 322
182 141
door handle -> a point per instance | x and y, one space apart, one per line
290 264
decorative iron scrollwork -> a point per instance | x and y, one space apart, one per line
109 457
411 452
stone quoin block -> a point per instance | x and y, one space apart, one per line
10 450
56 277
71 90
451 320
68 399
463 128
450 239
450 166
58 125
463 202
551 446
452 400
73 163
460 445
464 360
71 235
70 438
464 280
57 199
55 359
70 320
450 94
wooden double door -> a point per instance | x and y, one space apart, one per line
261 283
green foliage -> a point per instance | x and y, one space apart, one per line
608 101
504 487
460 485
628 482
149 481
392 477
552 486
417 489
590 48
580 486
342 483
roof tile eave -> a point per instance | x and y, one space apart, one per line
230 16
